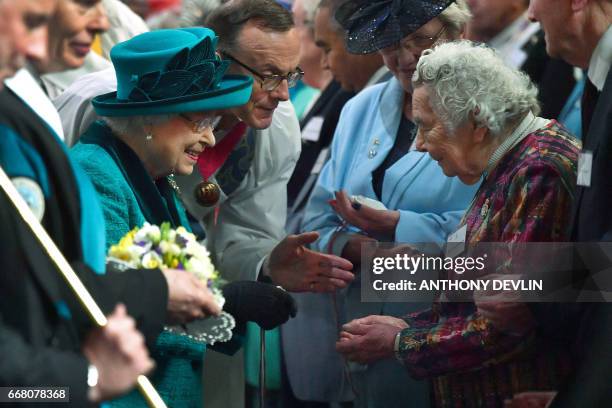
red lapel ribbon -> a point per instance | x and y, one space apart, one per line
211 159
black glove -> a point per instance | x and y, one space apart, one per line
262 303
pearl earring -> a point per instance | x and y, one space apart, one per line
148 132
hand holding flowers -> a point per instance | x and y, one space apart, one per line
193 283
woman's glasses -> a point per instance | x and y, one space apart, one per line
198 125
415 43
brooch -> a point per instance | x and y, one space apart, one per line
485 209
207 193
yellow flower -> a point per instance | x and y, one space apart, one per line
151 260
152 264
126 241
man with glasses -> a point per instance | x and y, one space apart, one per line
245 227
259 145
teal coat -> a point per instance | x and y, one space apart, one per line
130 197
128 194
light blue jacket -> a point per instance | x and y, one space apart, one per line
430 206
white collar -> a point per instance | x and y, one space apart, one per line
25 85
57 82
599 66
377 76
528 125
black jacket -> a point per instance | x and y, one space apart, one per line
41 323
553 77
588 325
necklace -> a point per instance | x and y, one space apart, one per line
206 193
172 182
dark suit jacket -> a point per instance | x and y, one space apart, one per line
588 325
554 77
329 105
593 206
41 323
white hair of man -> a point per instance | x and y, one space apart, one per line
310 7
455 17
194 12
465 81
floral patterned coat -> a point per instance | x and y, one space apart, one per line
527 197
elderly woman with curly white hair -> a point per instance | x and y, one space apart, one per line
477 119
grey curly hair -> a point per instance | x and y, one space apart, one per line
465 79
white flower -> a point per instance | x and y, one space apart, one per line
169 248
186 235
151 260
136 251
195 249
203 269
148 233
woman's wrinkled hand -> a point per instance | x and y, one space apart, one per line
188 297
377 223
533 399
369 339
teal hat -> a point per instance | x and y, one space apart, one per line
171 71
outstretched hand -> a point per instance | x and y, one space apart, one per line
299 269
377 223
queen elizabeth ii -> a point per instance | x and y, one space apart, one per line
170 89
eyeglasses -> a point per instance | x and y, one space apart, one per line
415 43
271 82
199 125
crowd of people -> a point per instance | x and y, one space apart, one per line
289 137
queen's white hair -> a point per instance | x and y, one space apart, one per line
465 80
134 126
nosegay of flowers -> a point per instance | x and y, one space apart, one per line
152 246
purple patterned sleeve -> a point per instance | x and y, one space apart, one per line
456 337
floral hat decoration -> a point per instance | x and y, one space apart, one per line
171 71
372 25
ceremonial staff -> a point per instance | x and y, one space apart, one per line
89 304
